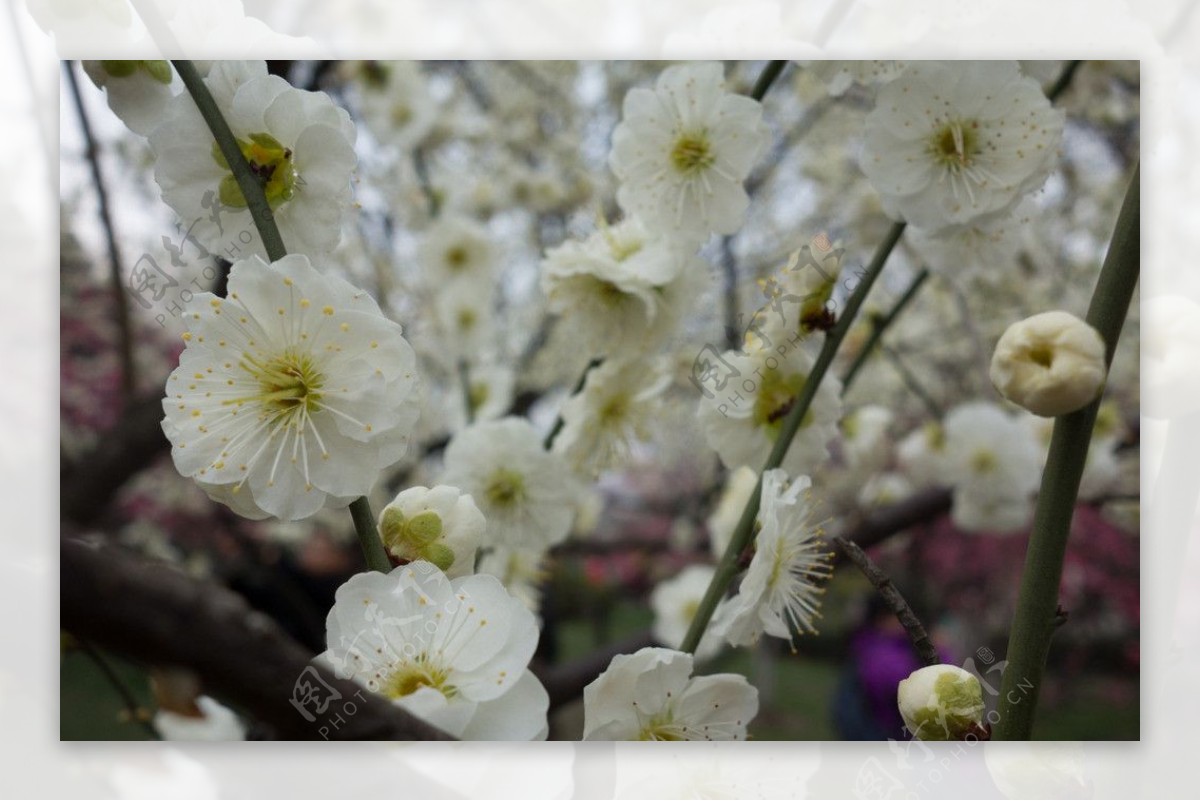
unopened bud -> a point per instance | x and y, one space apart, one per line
1050 363
941 702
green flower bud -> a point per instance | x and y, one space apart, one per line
941 702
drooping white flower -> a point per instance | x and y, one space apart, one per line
1051 363
993 462
462 316
622 289
292 393
865 443
941 702
299 143
797 296
395 102
683 149
743 418
210 722
651 695
949 142
457 248
490 388
439 525
454 652
675 602
616 408
734 497
780 594
137 91
884 488
520 570
527 495
921 453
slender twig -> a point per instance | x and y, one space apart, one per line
124 325
464 377
558 422
421 166
882 582
744 533
729 272
368 536
1060 85
1037 603
249 183
135 711
766 78
879 326
911 381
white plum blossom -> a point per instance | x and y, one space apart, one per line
462 315
884 488
1051 363
949 142
490 394
616 408
652 695
520 570
865 442
291 394
622 288
780 594
136 91
454 652
395 102
993 462
743 420
683 149
457 248
921 454
298 143
675 602
527 495
439 525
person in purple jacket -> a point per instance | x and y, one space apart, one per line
881 656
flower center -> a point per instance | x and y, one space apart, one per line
271 162
692 153
478 395
776 397
506 488
1042 355
289 385
955 144
411 676
614 410
662 727
983 461
158 70
457 258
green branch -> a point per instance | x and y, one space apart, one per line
250 184
1037 604
743 535
766 78
368 536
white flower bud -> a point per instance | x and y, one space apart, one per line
1051 363
941 702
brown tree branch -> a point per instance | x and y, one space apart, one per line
151 612
904 613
